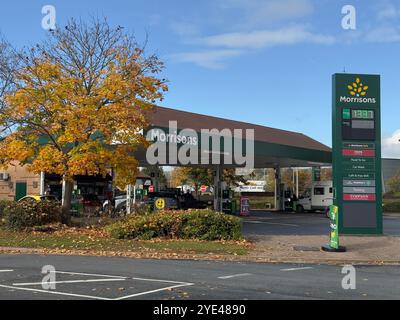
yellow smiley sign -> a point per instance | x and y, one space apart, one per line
160 204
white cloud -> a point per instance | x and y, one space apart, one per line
260 13
388 28
384 34
234 44
387 11
211 59
154 20
250 22
391 145
184 29
266 38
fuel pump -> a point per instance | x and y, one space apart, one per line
228 203
286 198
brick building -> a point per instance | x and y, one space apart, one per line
16 182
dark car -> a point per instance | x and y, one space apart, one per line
188 201
91 200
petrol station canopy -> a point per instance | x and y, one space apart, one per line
273 147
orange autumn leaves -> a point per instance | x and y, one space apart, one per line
65 126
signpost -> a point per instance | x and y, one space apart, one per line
316 173
203 189
334 234
357 153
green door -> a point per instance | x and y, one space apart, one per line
20 190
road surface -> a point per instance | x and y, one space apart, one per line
101 278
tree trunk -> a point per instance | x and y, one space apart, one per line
67 198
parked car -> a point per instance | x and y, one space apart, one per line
91 200
190 202
117 204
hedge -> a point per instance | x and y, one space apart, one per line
194 224
29 214
392 207
3 205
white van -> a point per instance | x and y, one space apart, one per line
319 198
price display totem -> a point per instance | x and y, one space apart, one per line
357 161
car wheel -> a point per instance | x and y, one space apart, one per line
299 208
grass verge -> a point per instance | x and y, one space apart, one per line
92 241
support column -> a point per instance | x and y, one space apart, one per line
42 185
217 189
129 199
134 195
275 192
63 192
294 180
278 199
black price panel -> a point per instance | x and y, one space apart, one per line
358 124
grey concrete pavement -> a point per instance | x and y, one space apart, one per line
263 223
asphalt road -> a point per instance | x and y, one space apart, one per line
268 223
97 278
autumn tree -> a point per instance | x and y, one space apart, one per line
8 66
203 176
192 176
232 179
326 174
394 183
158 173
78 103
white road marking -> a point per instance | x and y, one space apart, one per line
109 278
154 291
297 269
68 281
7 270
156 280
273 223
90 274
235 276
56 293
274 218
95 280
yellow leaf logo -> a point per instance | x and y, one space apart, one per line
357 88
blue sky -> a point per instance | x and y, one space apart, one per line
261 61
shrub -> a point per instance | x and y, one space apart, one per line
29 214
392 207
3 205
394 183
196 224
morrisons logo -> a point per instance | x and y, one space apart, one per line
357 91
357 100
